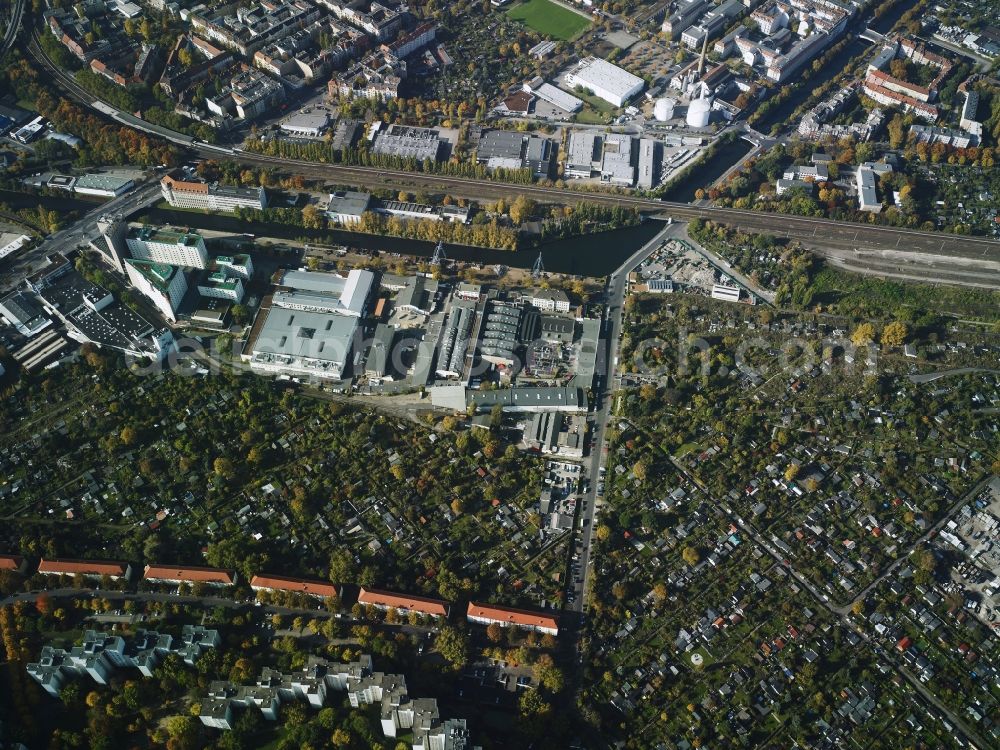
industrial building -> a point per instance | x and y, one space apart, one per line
726 292
347 206
554 398
91 313
379 362
103 185
650 156
418 295
306 125
617 166
608 82
310 325
22 311
11 242
505 149
555 433
500 333
407 142
554 96
314 291
303 344
583 154
454 341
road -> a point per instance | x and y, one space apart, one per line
603 373
879 250
15 24
20 265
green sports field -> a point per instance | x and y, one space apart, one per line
549 19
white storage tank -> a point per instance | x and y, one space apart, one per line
663 110
699 112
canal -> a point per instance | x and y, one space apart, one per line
783 112
888 20
707 173
590 255
60 203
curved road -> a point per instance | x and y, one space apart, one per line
15 24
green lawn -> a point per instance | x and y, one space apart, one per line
549 19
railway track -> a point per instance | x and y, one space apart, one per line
927 253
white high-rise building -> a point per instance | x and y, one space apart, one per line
166 246
163 284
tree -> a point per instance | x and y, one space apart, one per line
240 313
342 565
897 131
184 733
453 645
494 632
792 471
44 604
602 532
660 592
521 209
926 561
894 334
224 467
863 335
691 556
547 674
641 469
128 436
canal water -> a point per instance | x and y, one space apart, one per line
60 203
707 173
590 255
885 23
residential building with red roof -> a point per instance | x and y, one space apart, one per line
12 562
89 568
320 589
189 574
487 614
403 603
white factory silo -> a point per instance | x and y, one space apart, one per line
663 110
699 112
